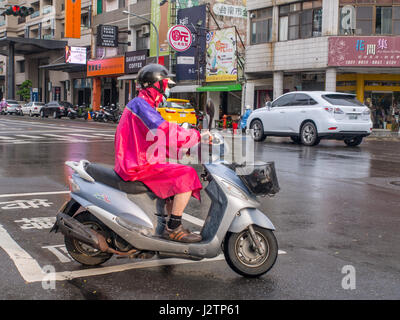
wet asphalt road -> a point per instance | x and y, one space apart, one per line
338 207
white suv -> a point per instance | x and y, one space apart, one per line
309 116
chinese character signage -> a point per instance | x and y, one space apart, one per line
191 63
179 38
161 17
227 10
135 60
221 55
106 66
364 51
107 36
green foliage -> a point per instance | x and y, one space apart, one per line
25 90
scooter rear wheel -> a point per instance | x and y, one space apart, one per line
83 253
242 257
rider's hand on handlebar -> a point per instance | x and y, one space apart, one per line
206 136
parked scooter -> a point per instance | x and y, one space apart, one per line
118 217
110 114
98 115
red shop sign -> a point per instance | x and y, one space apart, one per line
179 38
364 51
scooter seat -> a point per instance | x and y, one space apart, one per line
109 177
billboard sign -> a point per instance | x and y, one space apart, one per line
75 55
107 36
161 17
221 55
179 38
191 63
378 51
135 60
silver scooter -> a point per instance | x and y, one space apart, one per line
107 215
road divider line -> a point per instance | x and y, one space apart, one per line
11 195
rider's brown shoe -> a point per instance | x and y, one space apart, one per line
181 235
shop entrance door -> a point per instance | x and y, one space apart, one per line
381 102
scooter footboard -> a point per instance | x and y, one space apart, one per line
250 216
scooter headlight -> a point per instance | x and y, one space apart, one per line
233 190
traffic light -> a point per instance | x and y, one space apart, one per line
18 11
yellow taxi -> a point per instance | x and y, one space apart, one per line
179 111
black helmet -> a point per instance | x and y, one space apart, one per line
152 73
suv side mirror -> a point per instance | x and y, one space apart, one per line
269 105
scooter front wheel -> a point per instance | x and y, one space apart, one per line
82 252
242 256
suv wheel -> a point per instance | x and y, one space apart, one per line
309 134
258 131
353 142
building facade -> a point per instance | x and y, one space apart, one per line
337 45
44 62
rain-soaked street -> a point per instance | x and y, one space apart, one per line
336 216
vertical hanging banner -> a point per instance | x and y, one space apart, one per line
191 63
221 55
161 17
72 19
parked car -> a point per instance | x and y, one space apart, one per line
13 107
309 116
54 108
32 108
179 111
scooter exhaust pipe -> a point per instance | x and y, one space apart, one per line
72 228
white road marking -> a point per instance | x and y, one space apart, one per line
83 135
104 135
12 195
6 138
28 136
26 265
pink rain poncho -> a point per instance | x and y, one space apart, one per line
144 141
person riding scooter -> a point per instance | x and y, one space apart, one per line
166 180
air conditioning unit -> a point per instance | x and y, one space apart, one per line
145 30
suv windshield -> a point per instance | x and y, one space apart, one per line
12 102
342 99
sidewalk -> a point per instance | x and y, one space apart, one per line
384 133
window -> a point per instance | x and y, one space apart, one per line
21 66
302 99
383 23
364 20
141 42
284 101
85 20
121 4
300 20
342 99
261 26
396 20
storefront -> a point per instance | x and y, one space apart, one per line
369 68
379 91
105 75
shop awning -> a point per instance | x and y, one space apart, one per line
65 67
128 77
220 87
182 89
25 46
